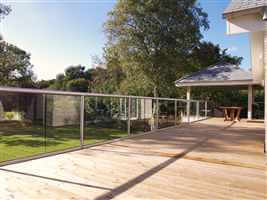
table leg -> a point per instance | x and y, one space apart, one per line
225 114
238 115
232 114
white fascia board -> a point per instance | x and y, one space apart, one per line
217 83
245 24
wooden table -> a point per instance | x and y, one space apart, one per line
234 113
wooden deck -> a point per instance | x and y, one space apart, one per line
211 159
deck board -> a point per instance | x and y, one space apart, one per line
211 159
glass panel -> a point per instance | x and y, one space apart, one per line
193 111
142 115
106 118
21 125
202 110
258 110
181 112
32 124
166 113
62 122
210 110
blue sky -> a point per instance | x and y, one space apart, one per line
60 33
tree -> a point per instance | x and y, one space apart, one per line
136 84
207 54
100 82
78 85
60 77
4 10
15 66
74 72
155 37
44 84
75 78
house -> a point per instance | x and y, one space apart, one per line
250 16
222 75
242 16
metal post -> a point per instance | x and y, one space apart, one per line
96 104
206 109
111 108
175 112
144 114
188 108
120 107
129 115
82 121
125 108
137 109
44 119
265 83
250 101
157 114
197 110
188 104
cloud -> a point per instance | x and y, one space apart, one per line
232 49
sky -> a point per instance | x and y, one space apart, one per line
60 33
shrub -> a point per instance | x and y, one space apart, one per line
9 115
78 85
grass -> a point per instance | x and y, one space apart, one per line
18 140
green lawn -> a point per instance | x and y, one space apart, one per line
18 141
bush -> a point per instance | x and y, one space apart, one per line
19 116
78 85
9 115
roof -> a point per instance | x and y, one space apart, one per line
220 74
241 5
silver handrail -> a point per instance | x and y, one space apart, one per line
56 92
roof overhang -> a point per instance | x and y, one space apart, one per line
217 83
239 13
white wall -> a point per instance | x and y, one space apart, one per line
253 24
257 59
146 109
245 24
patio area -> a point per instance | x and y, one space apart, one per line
210 159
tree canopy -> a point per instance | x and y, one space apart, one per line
74 79
15 66
207 54
4 10
155 37
151 43
77 85
75 72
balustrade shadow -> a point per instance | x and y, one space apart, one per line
142 177
182 141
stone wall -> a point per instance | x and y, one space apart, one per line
146 111
1 111
63 110
39 107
